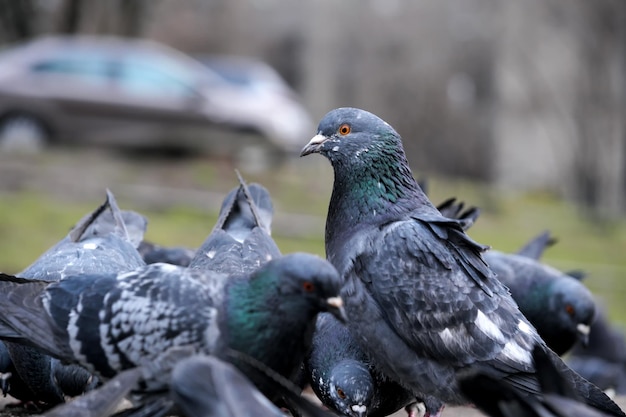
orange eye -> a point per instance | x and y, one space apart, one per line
344 129
341 394
308 286
570 310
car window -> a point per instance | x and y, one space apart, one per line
155 76
84 68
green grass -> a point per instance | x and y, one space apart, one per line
31 222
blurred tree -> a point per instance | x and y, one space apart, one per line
16 20
117 17
600 164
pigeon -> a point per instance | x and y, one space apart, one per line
603 360
560 307
243 228
343 378
421 299
112 322
241 240
240 243
499 398
99 243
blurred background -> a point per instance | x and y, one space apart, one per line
516 107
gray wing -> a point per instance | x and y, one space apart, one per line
101 402
204 386
99 243
222 253
112 322
435 291
106 254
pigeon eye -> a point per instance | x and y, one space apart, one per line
341 394
344 129
570 310
308 286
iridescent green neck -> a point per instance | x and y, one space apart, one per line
378 183
259 318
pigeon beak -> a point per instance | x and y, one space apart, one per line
314 145
583 333
359 410
335 307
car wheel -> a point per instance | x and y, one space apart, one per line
22 133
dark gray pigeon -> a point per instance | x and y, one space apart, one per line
240 243
99 243
560 307
499 398
603 360
113 322
422 301
343 378
241 240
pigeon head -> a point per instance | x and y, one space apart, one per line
351 388
295 286
575 307
278 306
348 133
373 180
306 277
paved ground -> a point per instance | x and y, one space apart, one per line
448 411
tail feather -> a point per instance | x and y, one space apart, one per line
261 209
24 320
452 209
580 387
535 247
255 211
79 231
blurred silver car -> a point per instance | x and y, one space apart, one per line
137 93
